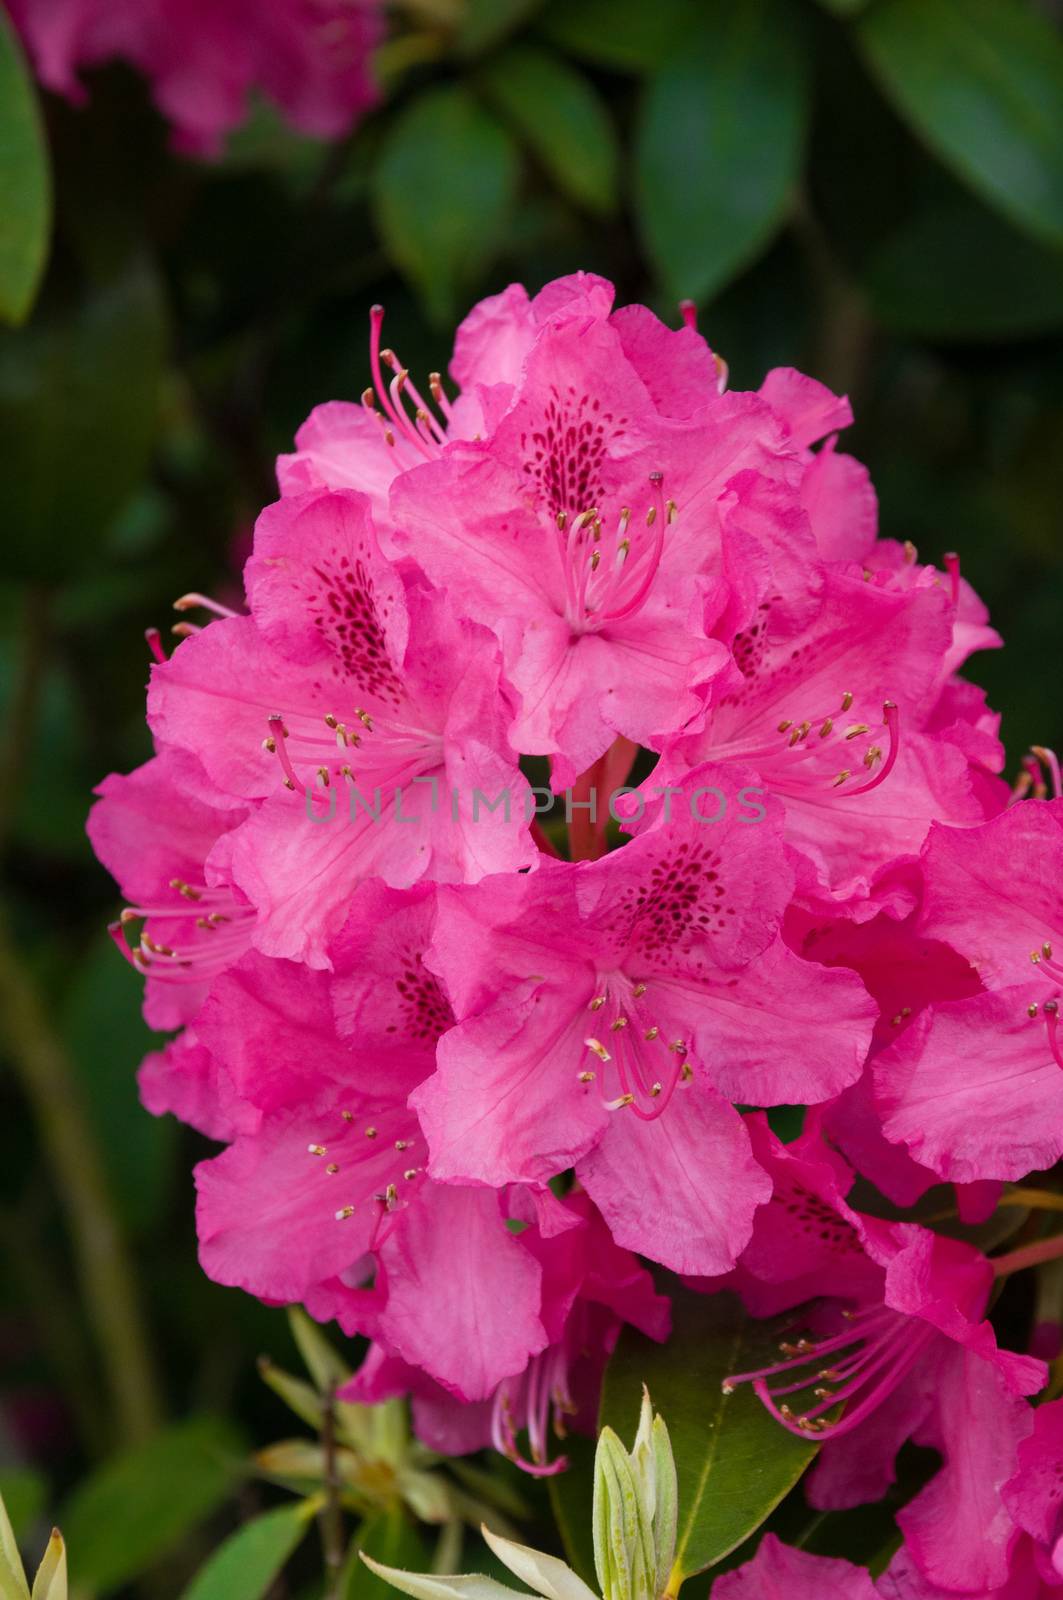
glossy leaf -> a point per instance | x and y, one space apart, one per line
981 82
485 22
79 397
734 1463
571 1500
632 35
443 188
961 273
245 1566
25 182
720 145
140 1504
561 119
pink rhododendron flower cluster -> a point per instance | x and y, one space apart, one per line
584 777
204 57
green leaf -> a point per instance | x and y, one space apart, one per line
844 8
79 394
391 1539
443 187
719 146
981 82
25 183
561 119
959 272
140 1504
571 1500
734 1462
632 35
485 22
244 1567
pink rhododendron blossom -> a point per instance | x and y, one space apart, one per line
345 679
891 1328
609 1011
204 57
154 829
992 894
469 1065
590 1288
778 1572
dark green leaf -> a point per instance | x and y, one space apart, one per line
140 1504
571 1500
443 188
720 144
562 120
632 35
79 394
962 273
981 82
734 1462
844 8
108 1038
485 22
25 183
244 1567
390 1538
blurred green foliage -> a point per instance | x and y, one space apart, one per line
870 189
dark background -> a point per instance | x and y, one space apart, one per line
872 192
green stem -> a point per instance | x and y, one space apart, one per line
105 1271
332 1537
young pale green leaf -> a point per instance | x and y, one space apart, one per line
13 1585
734 1464
424 1587
50 1582
720 144
325 1367
443 188
981 82
561 119
245 1566
140 1504
666 1501
25 182
296 1393
544 1574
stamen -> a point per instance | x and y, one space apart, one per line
154 639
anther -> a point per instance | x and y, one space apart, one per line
828 724
598 1049
316 1149
1031 1009
639 990
343 1213
402 1144
618 1024
348 1116
332 1169
589 1077
597 1003
651 1034
841 778
847 699
786 723
370 1133
856 730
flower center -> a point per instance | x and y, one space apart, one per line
807 755
206 929
865 1364
608 579
639 1068
530 1401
